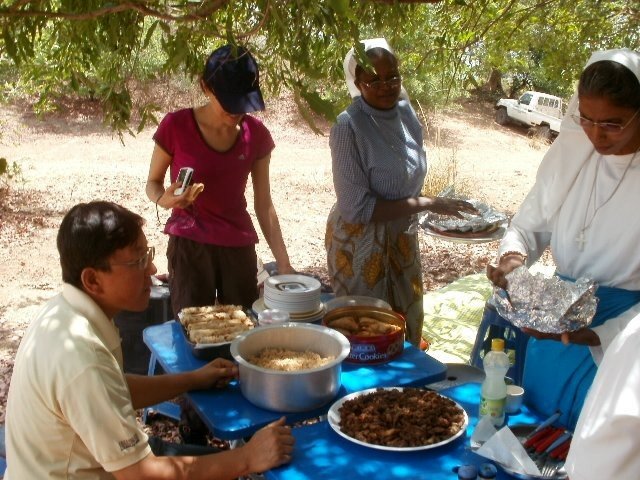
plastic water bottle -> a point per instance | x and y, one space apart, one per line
494 388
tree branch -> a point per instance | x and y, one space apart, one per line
15 11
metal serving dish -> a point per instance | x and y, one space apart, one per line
355 301
298 391
208 351
371 349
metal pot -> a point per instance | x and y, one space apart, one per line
290 391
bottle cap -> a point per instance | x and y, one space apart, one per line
497 345
467 472
487 471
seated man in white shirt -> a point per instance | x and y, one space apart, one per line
71 409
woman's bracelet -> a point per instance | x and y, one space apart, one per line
157 200
513 252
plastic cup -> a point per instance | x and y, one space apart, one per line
271 316
515 396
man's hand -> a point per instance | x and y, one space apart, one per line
216 374
270 447
583 336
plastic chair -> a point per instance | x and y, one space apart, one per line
494 326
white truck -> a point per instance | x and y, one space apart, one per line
539 111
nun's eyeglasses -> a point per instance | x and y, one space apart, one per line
604 126
393 82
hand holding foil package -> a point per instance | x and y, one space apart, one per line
548 305
486 219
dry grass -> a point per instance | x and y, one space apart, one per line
443 173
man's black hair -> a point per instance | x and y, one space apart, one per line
90 233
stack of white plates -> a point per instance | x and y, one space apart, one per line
299 295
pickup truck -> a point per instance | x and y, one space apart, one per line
540 111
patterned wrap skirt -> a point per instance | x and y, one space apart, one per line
380 260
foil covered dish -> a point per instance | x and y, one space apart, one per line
549 305
486 222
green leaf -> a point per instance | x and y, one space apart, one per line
165 28
341 7
147 38
304 111
10 45
319 105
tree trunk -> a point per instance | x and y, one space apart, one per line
494 84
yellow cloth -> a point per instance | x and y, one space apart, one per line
452 315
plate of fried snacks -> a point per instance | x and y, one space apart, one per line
210 329
398 419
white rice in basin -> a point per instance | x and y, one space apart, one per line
288 360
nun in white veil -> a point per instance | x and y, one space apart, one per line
379 165
584 207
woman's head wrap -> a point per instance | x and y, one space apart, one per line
566 156
350 64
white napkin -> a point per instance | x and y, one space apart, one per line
484 431
505 448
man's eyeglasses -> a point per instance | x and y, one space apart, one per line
142 263
393 82
604 126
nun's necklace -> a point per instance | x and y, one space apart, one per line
392 143
580 239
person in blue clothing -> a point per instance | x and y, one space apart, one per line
379 166
584 207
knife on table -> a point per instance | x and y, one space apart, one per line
547 422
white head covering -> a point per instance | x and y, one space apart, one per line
566 156
350 62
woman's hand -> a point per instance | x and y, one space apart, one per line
507 264
450 206
169 200
286 270
216 374
583 336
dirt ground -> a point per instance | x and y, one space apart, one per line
72 158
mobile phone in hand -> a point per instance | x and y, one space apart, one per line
184 177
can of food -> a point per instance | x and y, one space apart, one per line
376 334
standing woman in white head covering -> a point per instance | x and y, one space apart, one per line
379 166
584 206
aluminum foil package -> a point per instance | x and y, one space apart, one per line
487 219
549 305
